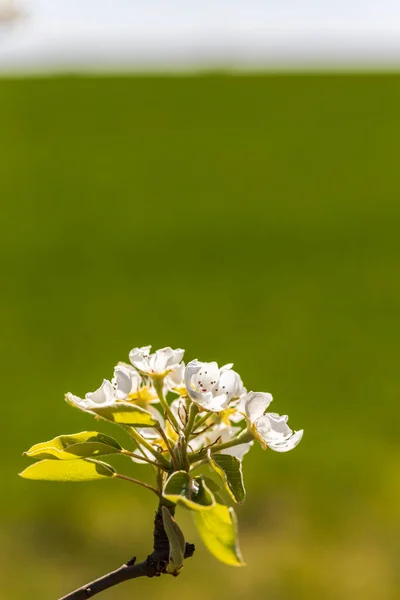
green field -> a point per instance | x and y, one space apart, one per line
246 219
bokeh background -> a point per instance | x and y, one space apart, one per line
246 218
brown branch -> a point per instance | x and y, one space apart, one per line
154 565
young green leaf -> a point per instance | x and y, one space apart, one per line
126 414
78 445
68 470
229 468
176 542
218 530
212 485
191 492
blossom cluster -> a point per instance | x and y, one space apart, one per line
193 423
211 400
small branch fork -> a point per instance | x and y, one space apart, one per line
154 565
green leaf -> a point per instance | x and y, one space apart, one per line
218 530
78 445
212 485
191 492
229 468
126 414
176 542
68 470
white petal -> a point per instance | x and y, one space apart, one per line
126 381
276 433
227 433
192 369
202 380
175 357
162 360
143 350
165 359
255 404
272 428
288 444
218 403
103 396
158 360
230 383
227 382
278 418
207 378
213 403
139 357
122 381
236 417
76 400
239 406
176 377
226 367
239 451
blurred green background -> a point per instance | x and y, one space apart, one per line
250 219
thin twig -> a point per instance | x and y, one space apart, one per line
144 458
242 438
200 421
141 441
202 431
132 480
169 447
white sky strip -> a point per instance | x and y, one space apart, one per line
136 35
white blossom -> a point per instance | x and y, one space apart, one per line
160 362
105 395
212 387
130 386
271 429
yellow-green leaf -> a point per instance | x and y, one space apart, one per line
68 470
78 445
229 468
176 542
126 414
218 530
191 492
